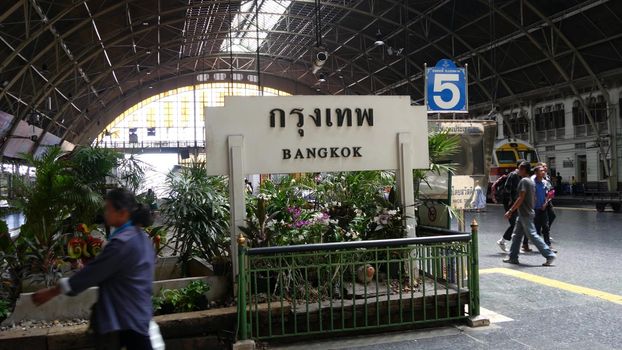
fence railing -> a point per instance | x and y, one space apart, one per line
152 144
301 290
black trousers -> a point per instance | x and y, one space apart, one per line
126 339
507 235
551 213
542 225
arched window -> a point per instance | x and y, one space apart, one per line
518 123
578 115
175 115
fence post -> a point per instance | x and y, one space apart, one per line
474 305
242 322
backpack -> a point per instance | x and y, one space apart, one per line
498 188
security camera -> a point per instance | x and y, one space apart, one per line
319 60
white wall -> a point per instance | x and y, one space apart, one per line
565 148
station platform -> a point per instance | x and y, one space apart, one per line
576 304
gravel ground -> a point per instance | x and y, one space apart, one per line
25 325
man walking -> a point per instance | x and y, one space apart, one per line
509 194
524 206
549 208
541 219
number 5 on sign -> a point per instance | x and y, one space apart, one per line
446 88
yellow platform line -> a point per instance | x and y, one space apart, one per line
555 284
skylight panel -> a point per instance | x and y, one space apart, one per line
244 36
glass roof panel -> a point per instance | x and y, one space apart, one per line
249 28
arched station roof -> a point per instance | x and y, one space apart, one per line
69 66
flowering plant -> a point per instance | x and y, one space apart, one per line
158 236
387 223
299 226
83 245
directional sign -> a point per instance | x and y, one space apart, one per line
446 88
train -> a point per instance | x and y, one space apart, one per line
506 153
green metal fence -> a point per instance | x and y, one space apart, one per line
338 287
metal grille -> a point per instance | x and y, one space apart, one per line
338 287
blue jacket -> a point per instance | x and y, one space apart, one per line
124 273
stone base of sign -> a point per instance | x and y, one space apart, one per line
244 345
478 321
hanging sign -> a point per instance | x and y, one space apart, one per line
446 88
290 134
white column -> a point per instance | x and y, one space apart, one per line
406 192
236 193
568 118
405 181
532 123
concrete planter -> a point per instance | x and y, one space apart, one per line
67 308
167 268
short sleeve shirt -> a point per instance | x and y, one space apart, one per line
529 187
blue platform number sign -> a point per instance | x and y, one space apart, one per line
446 88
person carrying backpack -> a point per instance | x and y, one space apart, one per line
507 191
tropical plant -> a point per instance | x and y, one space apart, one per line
197 211
66 186
5 309
187 299
90 169
356 189
131 173
43 201
441 146
67 189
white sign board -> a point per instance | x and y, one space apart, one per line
462 191
316 133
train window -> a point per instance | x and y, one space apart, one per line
506 157
530 156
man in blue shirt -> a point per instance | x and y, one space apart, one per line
541 219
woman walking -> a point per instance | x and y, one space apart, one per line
124 273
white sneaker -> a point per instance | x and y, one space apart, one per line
501 244
549 261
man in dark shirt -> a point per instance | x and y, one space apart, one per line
509 196
524 205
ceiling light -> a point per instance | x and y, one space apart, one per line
148 52
321 77
379 40
145 23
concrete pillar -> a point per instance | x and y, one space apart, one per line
500 134
612 119
532 123
568 101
